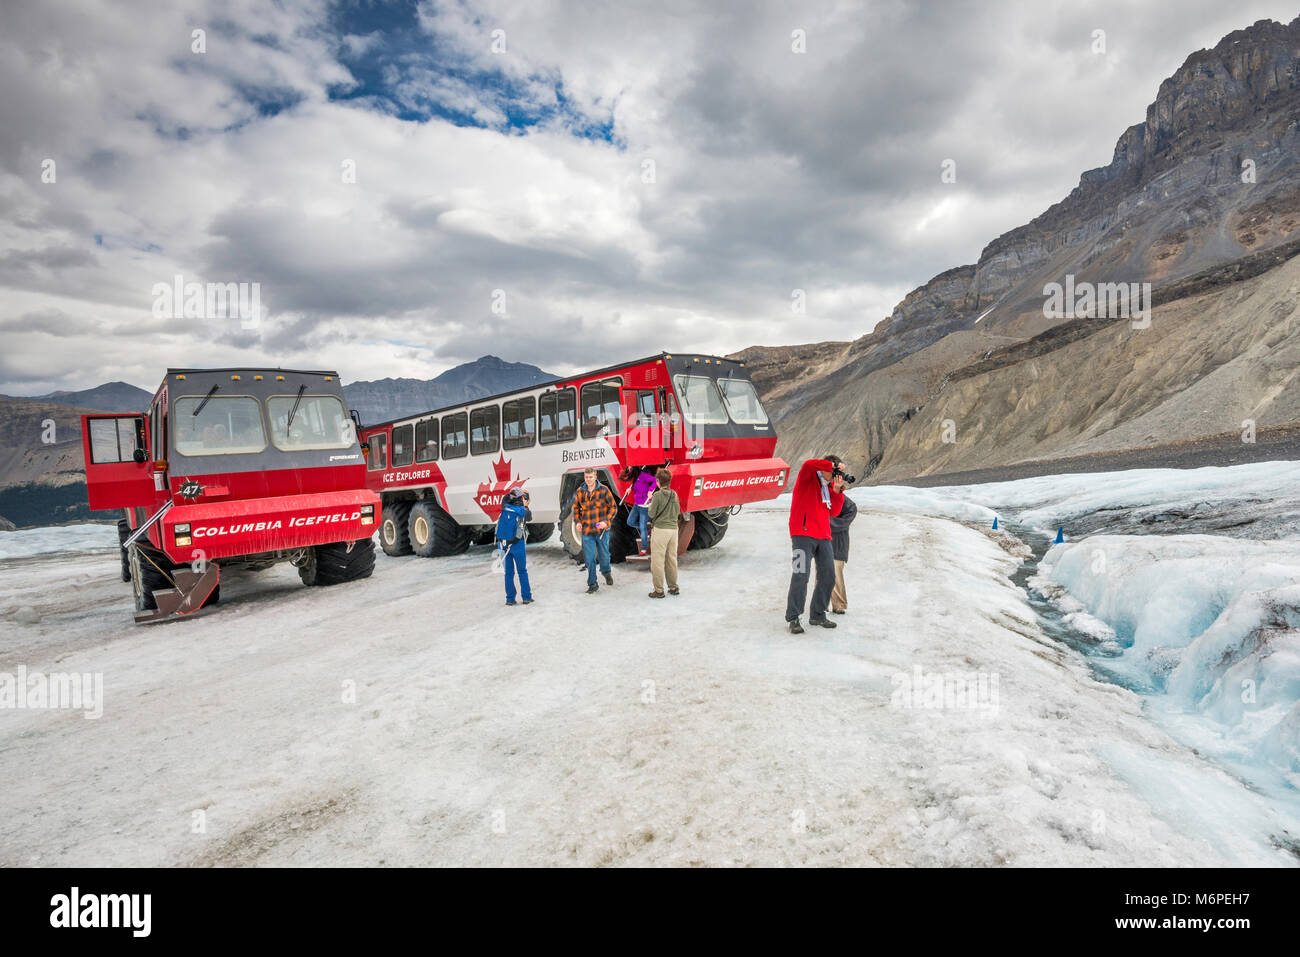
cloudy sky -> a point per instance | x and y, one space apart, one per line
413 185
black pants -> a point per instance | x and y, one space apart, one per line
807 553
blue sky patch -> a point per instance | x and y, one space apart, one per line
405 71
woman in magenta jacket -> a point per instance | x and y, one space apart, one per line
639 518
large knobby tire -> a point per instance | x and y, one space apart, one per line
338 562
123 533
710 527
434 533
394 529
146 565
622 537
540 531
571 541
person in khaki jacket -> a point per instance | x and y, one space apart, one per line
663 511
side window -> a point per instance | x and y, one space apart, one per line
426 440
645 407
485 430
378 452
403 451
455 435
601 409
115 440
556 417
519 423
156 432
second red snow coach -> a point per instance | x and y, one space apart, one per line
442 474
232 466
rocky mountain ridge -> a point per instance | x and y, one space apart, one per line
1210 177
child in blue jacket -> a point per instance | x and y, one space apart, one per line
511 535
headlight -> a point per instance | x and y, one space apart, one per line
181 534
367 515
699 486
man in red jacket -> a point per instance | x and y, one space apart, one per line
813 501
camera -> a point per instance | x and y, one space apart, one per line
848 479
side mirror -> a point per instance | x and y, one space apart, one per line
139 456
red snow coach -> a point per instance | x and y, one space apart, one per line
442 474
232 466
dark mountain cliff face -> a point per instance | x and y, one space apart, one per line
1211 176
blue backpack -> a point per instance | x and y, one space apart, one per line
511 527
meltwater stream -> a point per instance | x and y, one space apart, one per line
1104 663
1056 626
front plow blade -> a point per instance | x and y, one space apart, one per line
191 591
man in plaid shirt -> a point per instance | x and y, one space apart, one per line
594 509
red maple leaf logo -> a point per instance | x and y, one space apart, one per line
489 496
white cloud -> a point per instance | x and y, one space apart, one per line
772 171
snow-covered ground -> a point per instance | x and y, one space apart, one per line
88 537
1259 500
413 719
1205 626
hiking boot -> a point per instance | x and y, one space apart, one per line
528 601
674 591
795 627
822 622
656 594
839 611
509 603
592 589
609 579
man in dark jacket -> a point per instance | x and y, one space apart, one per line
813 502
840 545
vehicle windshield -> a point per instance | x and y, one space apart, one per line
701 402
742 402
218 425
319 422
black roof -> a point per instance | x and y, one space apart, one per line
254 369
